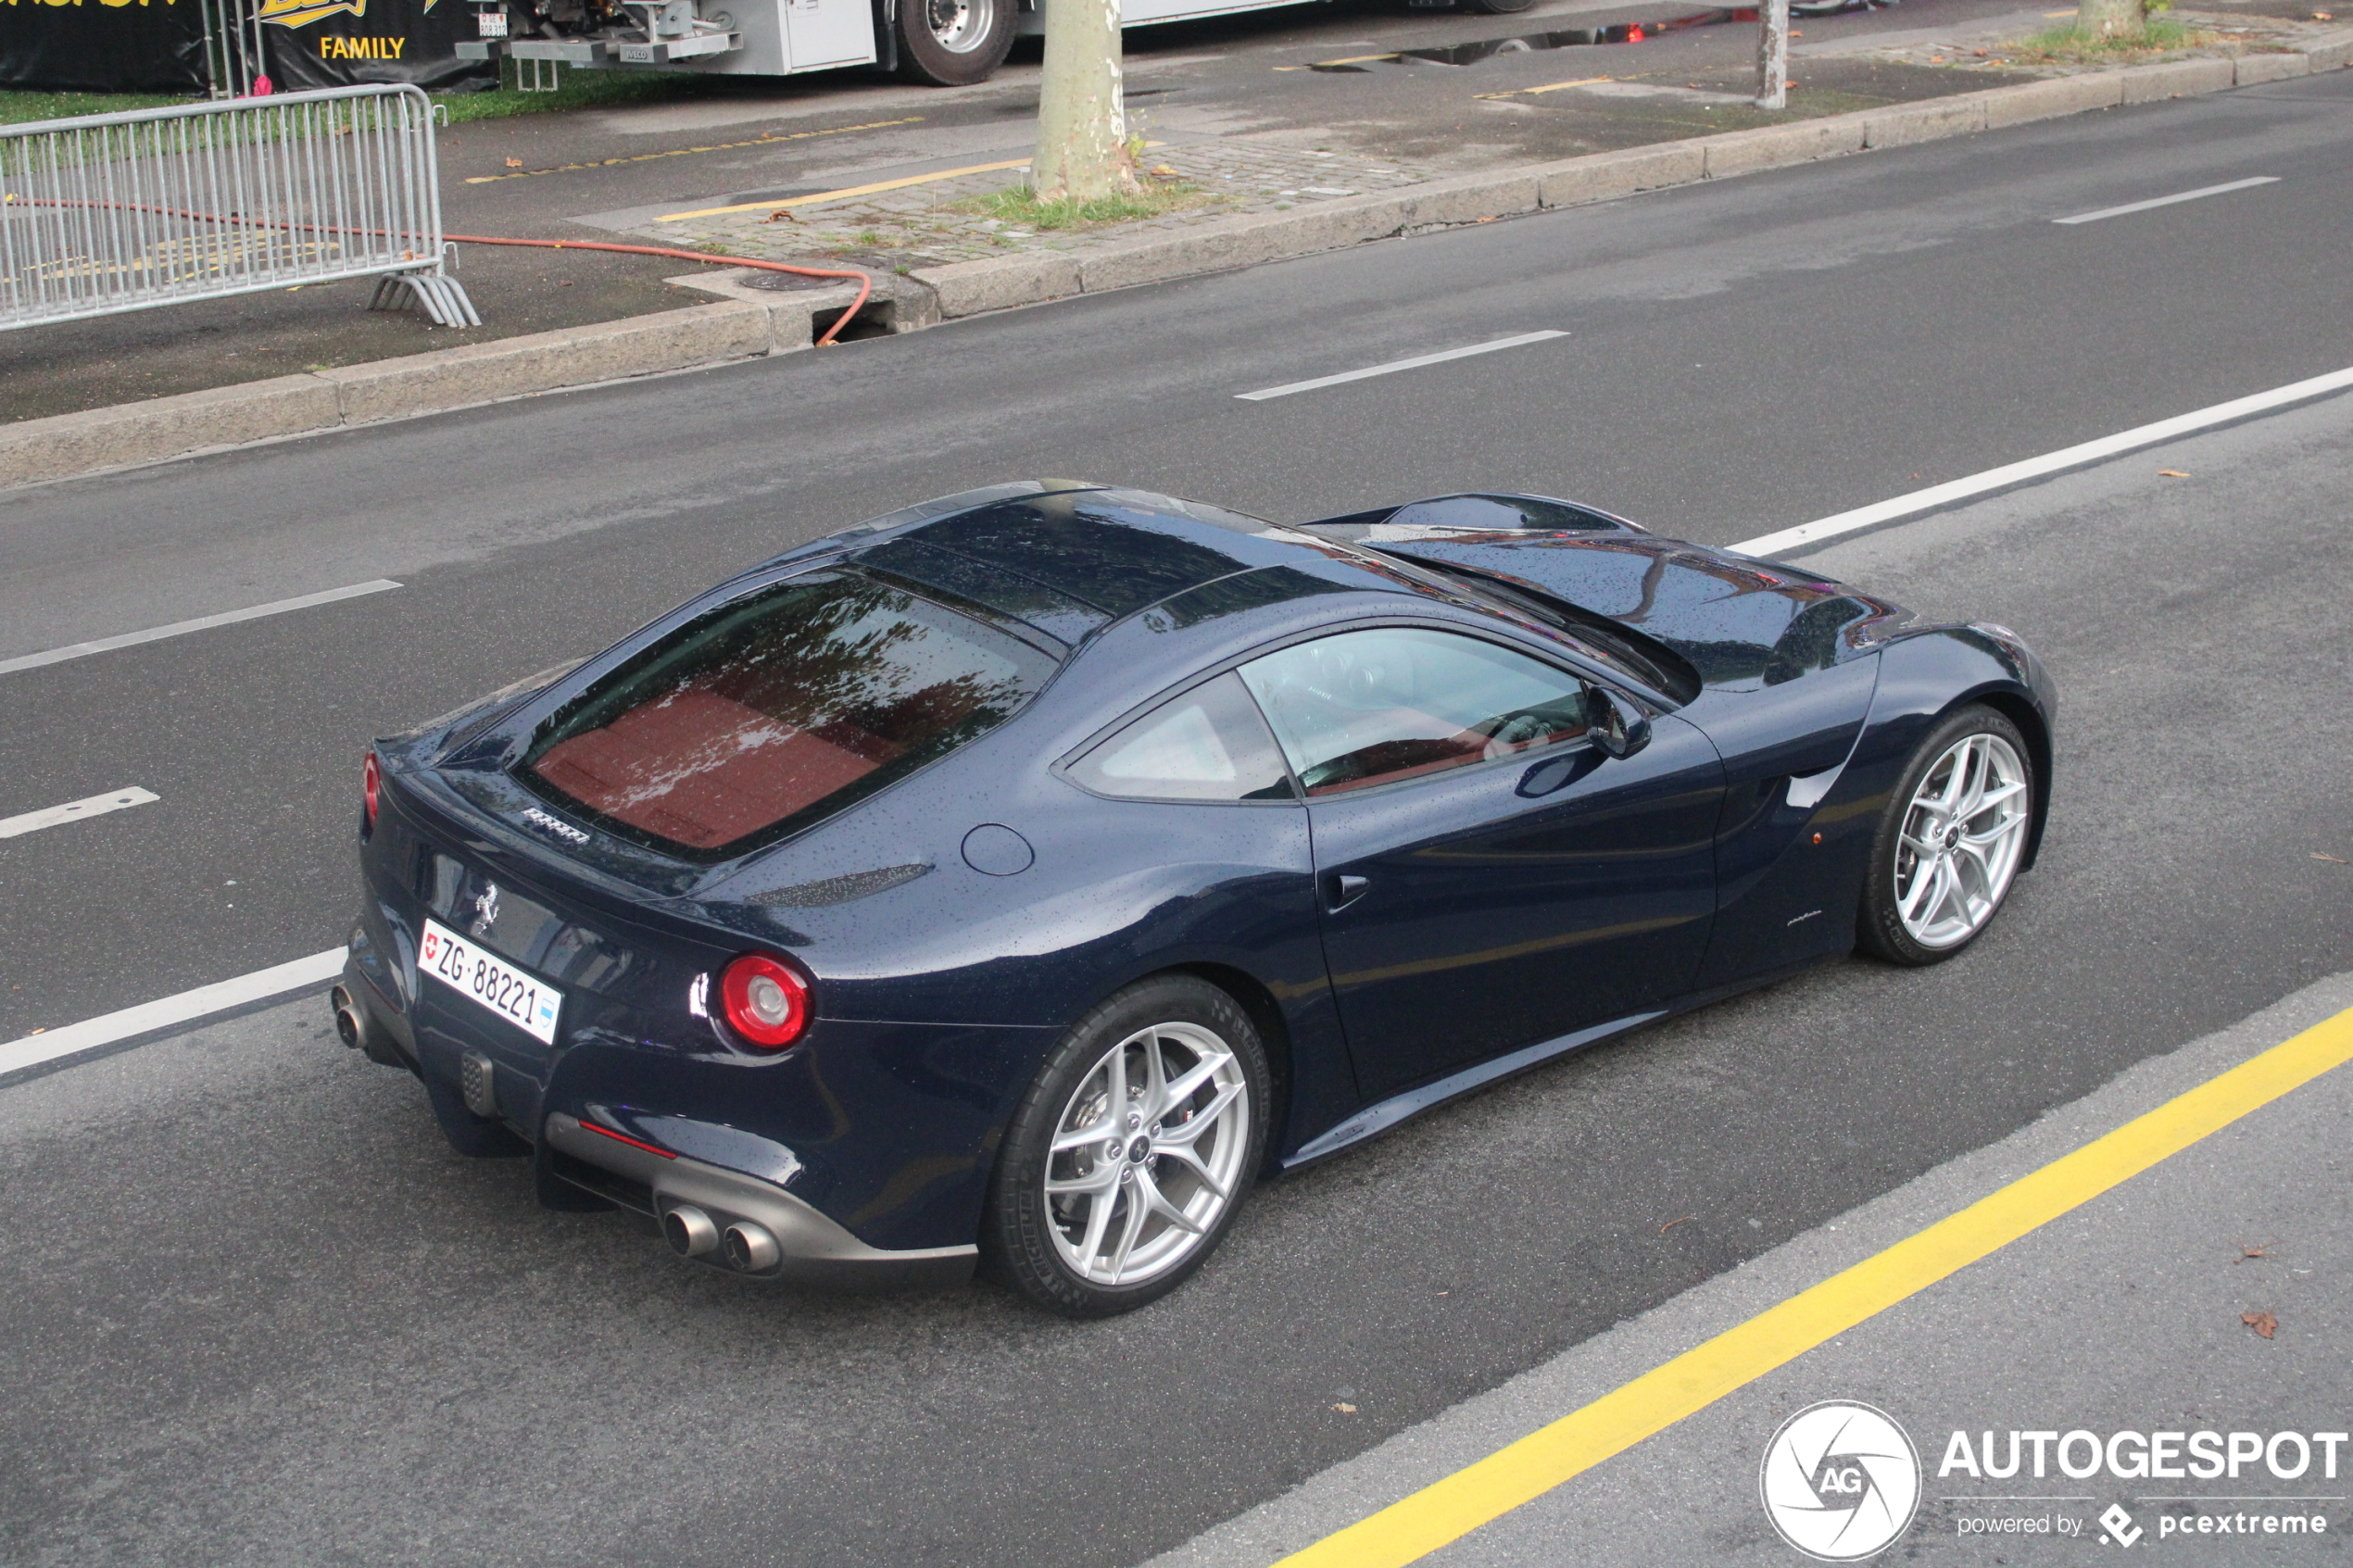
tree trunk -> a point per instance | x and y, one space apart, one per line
1772 54
1082 131
2112 18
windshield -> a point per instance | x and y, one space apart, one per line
1647 660
776 710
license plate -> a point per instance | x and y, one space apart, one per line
494 24
523 1000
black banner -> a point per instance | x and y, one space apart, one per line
343 42
104 45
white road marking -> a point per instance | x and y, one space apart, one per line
180 628
1944 494
2168 201
186 1008
1394 365
74 811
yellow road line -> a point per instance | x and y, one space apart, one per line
1351 60
1549 87
681 152
848 192
1451 1509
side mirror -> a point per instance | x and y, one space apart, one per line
1613 725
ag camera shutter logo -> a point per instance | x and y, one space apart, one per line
1840 1481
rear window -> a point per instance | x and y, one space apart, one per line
777 710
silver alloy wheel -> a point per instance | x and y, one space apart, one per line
956 26
1964 834
1147 1153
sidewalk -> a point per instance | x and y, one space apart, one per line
2131 1314
83 397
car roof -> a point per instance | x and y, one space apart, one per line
1069 558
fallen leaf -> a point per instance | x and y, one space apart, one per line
1672 1224
784 213
2170 473
1351 1410
1162 169
2262 1250
2331 858
514 163
1485 221
2263 1323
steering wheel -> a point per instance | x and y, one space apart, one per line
1513 731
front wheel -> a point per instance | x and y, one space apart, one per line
1953 837
1132 1151
953 42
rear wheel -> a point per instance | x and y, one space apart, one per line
1496 8
953 42
1132 1151
1953 838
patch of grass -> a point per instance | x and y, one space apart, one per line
2064 46
579 90
19 108
576 90
1019 206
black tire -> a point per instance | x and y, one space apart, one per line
1020 1239
953 42
1880 929
1496 8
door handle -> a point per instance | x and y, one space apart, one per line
1346 890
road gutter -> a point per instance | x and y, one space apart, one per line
753 324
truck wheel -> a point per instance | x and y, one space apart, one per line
953 42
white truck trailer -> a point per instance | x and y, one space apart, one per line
942 43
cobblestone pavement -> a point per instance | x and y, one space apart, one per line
932 221
943 221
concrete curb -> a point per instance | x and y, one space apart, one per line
999 282
750 323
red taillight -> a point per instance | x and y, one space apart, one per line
371 778
766 1002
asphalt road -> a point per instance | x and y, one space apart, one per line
256 1315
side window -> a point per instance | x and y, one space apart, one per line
1371 707
1209 743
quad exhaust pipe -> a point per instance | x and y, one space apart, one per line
351 1026
690 1231
744 1246
751 1249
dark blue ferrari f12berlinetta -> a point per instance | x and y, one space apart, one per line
1020 877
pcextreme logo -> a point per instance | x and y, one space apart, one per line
1840 1481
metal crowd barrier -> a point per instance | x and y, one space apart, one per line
117 212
